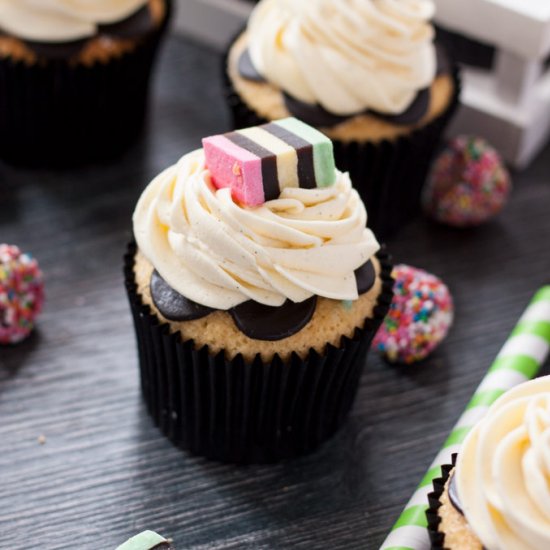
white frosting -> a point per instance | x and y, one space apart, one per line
218 253
62 20
503 471
346 55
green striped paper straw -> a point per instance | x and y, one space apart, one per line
519 360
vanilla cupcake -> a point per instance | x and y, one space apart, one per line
498 495
366 73
253 322
74 77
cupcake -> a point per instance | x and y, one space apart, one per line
74 77
367 74
498 495
256 289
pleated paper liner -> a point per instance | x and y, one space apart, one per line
389 175
432 514
247 412
56 114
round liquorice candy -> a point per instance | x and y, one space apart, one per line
262 322
247 69
453 494
172 304
365 276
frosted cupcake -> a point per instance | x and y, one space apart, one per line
498 496
366 73
74 76
256 290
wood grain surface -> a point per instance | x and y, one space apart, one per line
105 473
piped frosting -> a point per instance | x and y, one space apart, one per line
58 21
503 471
220 253
347 56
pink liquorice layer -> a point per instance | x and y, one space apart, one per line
234 167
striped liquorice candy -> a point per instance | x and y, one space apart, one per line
258 163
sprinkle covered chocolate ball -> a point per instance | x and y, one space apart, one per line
468 184
21 294
420 316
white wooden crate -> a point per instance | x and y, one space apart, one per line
509 105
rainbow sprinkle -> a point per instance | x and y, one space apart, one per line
21 294
420 316
468 184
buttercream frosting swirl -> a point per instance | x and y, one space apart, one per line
62 20
219 253
346 55
503 471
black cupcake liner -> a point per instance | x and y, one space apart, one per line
437 538
247 412
389 175
56 114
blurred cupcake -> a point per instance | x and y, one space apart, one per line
367 74
253 322
497 497
74 77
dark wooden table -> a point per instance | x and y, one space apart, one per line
104 471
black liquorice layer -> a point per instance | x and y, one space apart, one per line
241 411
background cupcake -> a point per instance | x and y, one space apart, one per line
368 75
497 495
252 334
74 77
